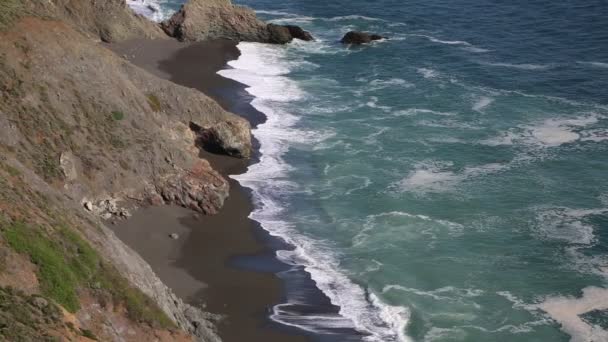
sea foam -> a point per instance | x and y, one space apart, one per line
434 176
568 310
264 69
151 9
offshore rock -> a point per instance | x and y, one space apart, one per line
298 33
358 38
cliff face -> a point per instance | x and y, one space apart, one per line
108 20
85 136
79 115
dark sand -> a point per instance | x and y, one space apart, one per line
199 265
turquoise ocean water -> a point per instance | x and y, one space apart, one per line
447 184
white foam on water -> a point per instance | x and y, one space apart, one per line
446 140
372 222
448 293
311 323
151 9
429 180
595 135
429 177
427 72
513 329
517 303
278 13
264 68
482 103
551 133
523 66
596 64
357 183
448 123
567 224
555 132
447 42
378 84
442 334
416 111
567 311
475 49
504 138
293 20
373 103
354 17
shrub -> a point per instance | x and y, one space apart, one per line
154 102
118 115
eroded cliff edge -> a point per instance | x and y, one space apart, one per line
83 133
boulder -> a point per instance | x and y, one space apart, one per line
88 205
40 302
358 38
201 189
298 33
278 34
283 34
67 162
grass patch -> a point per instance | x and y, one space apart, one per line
10 10
117 115
13 172
88 334
154 102
48 167
57 279
117 142
67 263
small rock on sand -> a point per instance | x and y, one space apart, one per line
174 236
88 206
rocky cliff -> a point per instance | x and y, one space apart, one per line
108 20
84 137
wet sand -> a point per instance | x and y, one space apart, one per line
199 266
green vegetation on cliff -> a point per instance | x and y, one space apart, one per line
67 263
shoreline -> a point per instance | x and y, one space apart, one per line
222 262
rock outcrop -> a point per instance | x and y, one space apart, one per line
200 20
358 38
224 137
103 127
200 189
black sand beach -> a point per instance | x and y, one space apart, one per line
197 266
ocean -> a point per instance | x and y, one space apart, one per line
446 184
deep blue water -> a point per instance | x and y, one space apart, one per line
447 184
